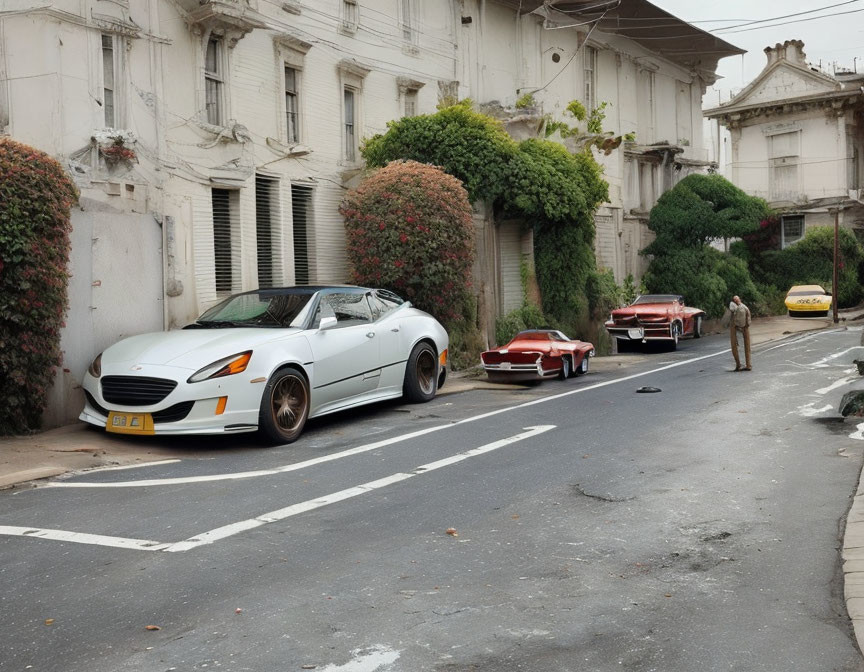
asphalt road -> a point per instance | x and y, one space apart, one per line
592 528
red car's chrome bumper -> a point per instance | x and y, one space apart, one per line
520 365
654 331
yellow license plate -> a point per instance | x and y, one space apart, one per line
130 423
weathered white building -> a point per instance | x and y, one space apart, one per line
214 139
797 136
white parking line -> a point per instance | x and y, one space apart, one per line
363 449
82 538
266 518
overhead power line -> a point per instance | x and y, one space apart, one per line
786 23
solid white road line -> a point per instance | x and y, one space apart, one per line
372 446
82 538
822 363
266 518
295 509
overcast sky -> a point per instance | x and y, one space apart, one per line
838 37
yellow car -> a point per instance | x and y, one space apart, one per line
808 301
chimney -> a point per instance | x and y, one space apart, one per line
791 51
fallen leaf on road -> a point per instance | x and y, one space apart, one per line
452 532
308 667
238 610
667 595
152 627
49 621
515 516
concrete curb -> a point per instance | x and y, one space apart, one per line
852 557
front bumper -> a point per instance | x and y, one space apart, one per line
659 331
240 412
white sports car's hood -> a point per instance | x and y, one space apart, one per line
189 348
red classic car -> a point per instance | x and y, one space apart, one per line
536 354
661 317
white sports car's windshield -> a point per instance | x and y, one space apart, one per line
255 309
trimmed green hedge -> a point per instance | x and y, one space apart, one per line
35 198
810 261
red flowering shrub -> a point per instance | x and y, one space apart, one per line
35 197
410 230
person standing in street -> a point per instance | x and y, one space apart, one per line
740 323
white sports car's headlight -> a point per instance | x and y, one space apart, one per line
224 367
95 369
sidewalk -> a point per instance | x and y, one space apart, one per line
77 447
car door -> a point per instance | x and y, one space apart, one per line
346 356
391 341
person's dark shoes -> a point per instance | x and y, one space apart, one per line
747 368
737 367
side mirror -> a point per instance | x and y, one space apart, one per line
327 323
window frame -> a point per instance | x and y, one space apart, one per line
799 219
109 79
349 126
411 98
218 80
351 77
589 77
407 29
349 17
292 123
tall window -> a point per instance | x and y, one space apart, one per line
411 103
350 130
291 107
407 28
792 229
590 78
268 232
350 16
213 81
108 77
783 166
223 241
301 215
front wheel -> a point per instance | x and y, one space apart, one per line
582 369
284 406
421 374
675 329
564 374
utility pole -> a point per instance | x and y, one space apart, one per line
834 288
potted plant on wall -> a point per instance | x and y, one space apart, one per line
115 146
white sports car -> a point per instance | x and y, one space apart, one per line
268 360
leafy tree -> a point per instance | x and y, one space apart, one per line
698 210
469 145
35 198
535 180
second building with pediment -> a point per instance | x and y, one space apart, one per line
797 139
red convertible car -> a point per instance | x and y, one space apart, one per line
656 317
537 354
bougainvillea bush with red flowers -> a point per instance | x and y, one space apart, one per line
35 198
409 229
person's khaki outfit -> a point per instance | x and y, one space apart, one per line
740 324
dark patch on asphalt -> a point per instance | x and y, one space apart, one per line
647 389
719 536
600 498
